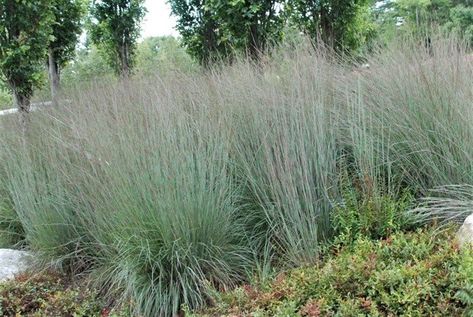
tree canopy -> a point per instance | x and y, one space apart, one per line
343 25
214 29
198 26
162 54
25 33
66 29
115 28
419 17
249 25
218 27
461 20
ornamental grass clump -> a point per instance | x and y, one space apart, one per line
164 188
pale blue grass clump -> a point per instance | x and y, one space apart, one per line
413 115
165 188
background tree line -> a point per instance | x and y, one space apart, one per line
217 28
36 33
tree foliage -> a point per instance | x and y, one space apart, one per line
154 55
461 20
115 28
66 29
343 25
25 33
219 26
249 25
214 29
89 65
199 30
419 17
162 54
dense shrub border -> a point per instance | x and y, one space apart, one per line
421 273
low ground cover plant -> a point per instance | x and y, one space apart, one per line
418 273
52 294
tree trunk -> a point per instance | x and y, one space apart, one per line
255 45
326 28
54 79
209 43
125 70
23 104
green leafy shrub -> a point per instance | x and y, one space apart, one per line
372 216
465 295
408 274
